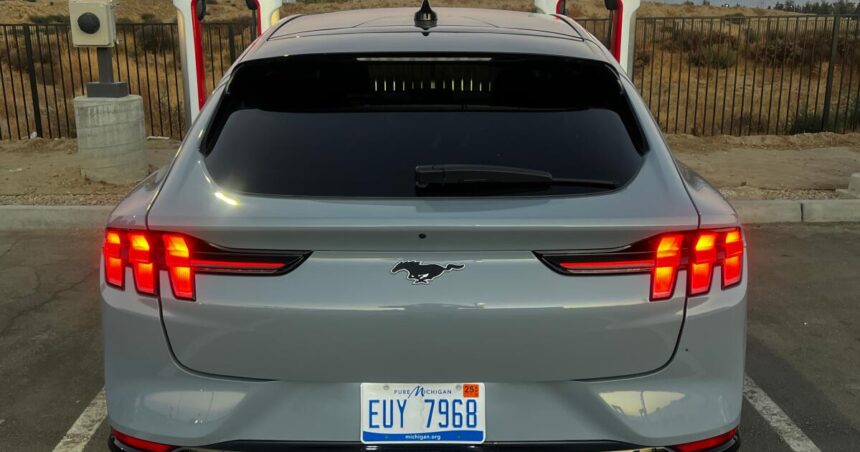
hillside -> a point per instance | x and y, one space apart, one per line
20 11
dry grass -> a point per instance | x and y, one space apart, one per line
714 76
18 11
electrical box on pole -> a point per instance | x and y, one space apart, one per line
109 122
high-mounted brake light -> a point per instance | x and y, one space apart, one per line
183 257
664 256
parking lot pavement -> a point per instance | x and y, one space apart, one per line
803 344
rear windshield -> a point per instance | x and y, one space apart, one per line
359 125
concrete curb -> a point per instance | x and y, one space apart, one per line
751 212
53 217
798 211
771 211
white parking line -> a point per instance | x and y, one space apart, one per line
85 427
773 414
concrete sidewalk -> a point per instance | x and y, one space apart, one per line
751 212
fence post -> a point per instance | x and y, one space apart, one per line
31 72
828 89
232 46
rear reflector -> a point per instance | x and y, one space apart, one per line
183 257
705 444
664 256
141 444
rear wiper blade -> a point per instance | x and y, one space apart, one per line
457 174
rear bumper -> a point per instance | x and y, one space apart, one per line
697 395
262 446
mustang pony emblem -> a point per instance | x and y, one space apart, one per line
420 273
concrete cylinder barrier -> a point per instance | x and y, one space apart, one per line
111 139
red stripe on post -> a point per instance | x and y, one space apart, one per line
616 32
198 55
259 18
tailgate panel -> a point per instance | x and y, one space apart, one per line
345 317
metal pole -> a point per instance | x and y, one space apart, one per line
31 69
828 90
105 65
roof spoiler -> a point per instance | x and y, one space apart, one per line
622 20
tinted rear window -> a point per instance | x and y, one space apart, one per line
357 126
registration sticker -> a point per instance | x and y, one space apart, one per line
400 413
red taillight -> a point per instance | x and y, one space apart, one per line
140 258
141 444
664 256
177 258
705 444
183 257
114 265
702 262
733 262
560 7
666 265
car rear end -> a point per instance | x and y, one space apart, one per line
292 283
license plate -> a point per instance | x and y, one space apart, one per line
398 413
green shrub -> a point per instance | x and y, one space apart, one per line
50 19
155 38
853 118
714 56
735 19
695 38
16 57
642 59
806 122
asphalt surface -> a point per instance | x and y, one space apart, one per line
803 335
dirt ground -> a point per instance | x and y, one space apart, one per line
45 172
805 166
810 166
19 11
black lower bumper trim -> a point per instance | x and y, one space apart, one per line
281 446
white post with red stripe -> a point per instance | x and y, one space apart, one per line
624 32
267 12
191 52
623 23
551 6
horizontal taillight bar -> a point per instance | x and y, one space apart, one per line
183 257
709 443
140 444
663 256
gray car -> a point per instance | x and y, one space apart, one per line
453 230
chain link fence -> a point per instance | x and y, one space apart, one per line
699 75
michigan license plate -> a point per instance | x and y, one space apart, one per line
399 413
